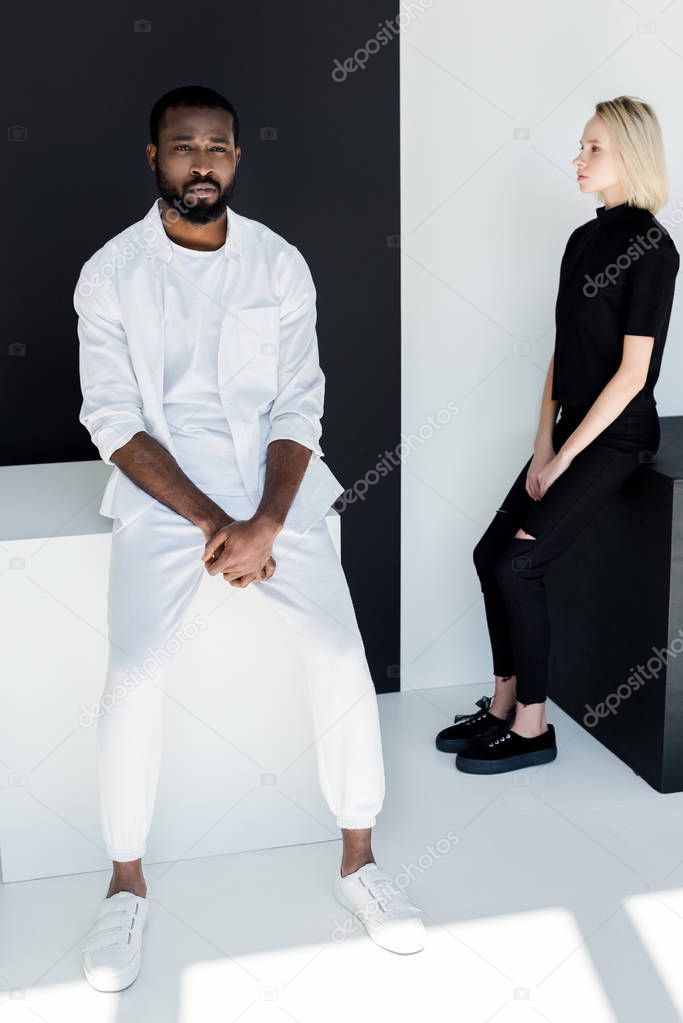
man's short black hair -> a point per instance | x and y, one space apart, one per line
190 96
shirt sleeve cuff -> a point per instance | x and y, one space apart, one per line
110 439
291 426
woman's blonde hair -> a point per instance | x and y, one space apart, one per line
637 137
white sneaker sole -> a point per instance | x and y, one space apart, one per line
114 980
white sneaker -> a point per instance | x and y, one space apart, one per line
112 953
388 917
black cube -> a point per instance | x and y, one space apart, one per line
615 601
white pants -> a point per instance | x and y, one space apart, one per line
155 570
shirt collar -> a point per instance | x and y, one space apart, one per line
611 216
157 242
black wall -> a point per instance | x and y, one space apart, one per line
80 81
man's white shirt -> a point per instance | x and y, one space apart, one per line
263 340
192 287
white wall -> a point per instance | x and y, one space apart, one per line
494 97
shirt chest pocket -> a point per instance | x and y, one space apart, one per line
258 329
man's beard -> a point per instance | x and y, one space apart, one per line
193 209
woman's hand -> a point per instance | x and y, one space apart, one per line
544 470
543 453
551 470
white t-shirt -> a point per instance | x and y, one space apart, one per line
193 282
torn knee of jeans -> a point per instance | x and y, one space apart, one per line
527 536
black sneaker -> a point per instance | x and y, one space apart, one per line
469 728
508 752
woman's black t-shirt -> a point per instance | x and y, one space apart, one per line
617 277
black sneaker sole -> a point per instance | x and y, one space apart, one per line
456 745
541 756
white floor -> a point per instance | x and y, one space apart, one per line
555 894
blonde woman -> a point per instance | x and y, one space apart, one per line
614 301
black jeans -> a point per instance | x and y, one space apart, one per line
511 570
